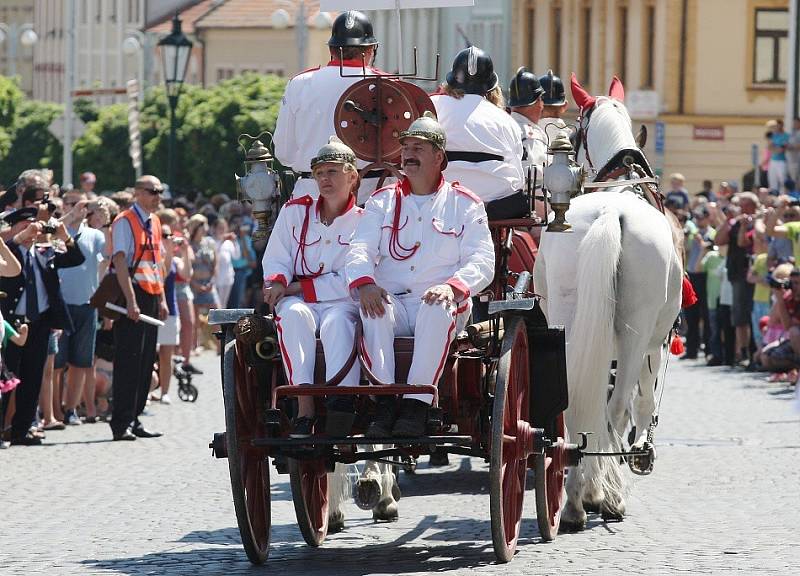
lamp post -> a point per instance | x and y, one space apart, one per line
175 51
17 34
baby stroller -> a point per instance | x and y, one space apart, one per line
186 390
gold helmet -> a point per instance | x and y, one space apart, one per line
427 127
334 151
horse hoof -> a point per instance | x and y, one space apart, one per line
609 514
385 511
571 526
642 465
368 493
593 507
336 522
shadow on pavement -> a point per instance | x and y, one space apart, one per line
288 554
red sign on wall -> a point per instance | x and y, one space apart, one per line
709 133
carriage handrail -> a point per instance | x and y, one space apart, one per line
217 316
374 390
396 76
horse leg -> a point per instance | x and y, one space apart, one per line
644 410
573 517
386 510
368 486
339 491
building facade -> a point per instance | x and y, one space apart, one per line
711 73
16 59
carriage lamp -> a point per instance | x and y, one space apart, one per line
563 179
260 186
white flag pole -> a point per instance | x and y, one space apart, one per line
400 68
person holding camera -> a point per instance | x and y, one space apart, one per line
737 234
76 348
34 297
780 225
784 354
699 239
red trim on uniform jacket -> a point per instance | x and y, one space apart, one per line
465 192
279 278
359 282
459 286
350 203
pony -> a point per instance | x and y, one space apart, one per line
615 283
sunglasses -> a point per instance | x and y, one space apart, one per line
153 191
166 236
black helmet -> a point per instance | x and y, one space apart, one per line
554 94
351 28
525 88
473 72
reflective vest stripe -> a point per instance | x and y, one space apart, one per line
147 251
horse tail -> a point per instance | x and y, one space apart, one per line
591 346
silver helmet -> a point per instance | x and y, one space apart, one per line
334 151
427 127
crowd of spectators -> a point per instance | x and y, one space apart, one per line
742 256
59 372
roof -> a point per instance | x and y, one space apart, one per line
188 18
250 13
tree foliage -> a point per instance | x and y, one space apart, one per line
208 121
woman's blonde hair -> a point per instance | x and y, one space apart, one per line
495 95
195 222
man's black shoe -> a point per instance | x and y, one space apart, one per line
27 440
302 427
439 459
712 361
385 416
413 415
124 435
191 369
142 432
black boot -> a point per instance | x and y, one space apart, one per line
340 416
412 418
385 415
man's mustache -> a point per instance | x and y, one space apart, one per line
410 162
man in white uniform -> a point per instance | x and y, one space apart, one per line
484 145
526 103
555 105
421 249
305 120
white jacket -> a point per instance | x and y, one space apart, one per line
473 124
534 145
446 240
305 120
302 248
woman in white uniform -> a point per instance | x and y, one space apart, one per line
304 281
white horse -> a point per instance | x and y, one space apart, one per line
376 489
615 284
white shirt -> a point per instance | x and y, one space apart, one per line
305 121
446 239
227 251
39 263
473 124
319 264
534 145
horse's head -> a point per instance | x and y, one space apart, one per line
604 124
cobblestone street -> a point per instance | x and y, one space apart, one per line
722 500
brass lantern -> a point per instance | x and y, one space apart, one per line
563 179
260 185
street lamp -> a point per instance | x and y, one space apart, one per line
175 51
281 19
17 34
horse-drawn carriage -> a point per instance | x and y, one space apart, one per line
501 397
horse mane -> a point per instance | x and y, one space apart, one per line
610 130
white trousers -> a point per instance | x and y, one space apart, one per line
433 326
776 175
299 323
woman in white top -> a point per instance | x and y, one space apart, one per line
304 281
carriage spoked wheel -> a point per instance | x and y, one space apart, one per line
550 471
249 468
508 466
309 482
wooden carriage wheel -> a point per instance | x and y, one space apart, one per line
508 465
249 468
309 482
550 470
